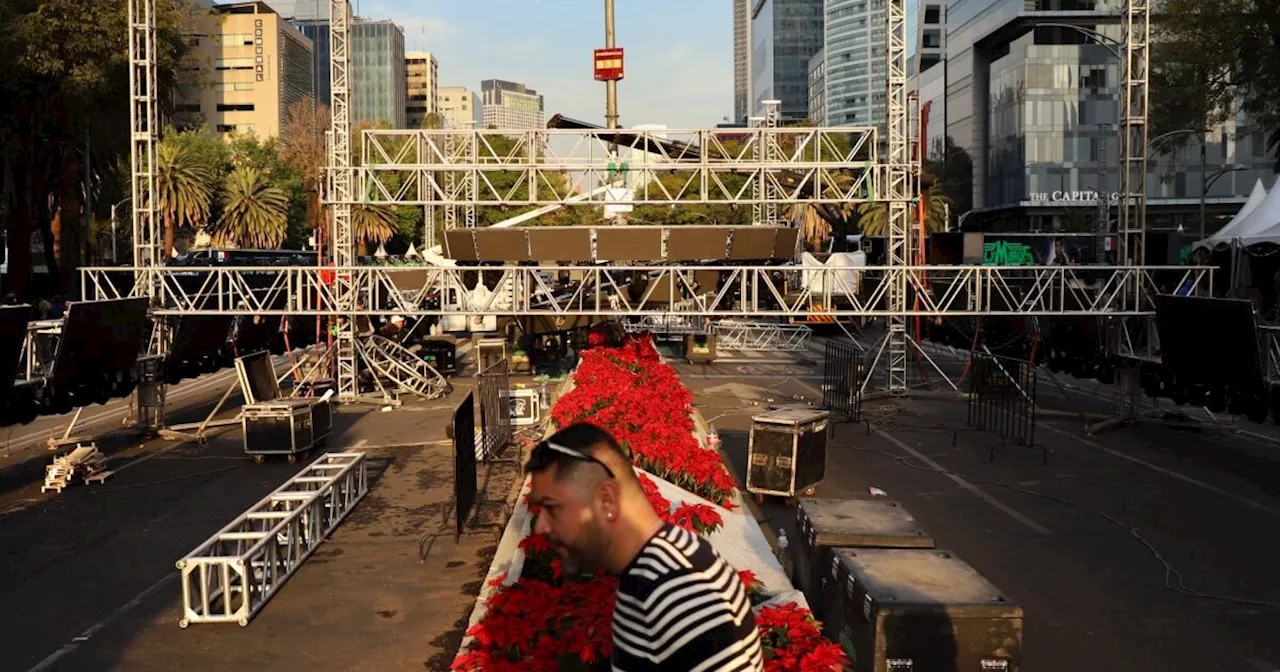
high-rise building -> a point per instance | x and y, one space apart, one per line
510 105
1036 107
856 68
423 95
258 64
818 89
785 34
926 34
379 80
741 59
460 106
318 32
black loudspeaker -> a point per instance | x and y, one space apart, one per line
946 249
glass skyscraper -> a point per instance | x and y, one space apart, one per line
785 34
379 76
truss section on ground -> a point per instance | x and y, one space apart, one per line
517 168
707 291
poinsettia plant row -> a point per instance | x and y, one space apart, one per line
642 402
548 621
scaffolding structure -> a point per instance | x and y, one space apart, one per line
454 169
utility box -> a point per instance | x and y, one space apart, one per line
490 351
442 354
917 610
285 427
825 525
787 452
700 348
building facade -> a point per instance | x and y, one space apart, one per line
379 80
741 59
257 66
856 67
784 34
510 105
460 107
818 89
1037 109
318 33
423 94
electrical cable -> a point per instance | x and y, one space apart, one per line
1173 578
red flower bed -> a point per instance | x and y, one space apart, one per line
642 402
547 622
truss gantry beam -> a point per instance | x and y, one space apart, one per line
517 168
704 291
900 178
342 244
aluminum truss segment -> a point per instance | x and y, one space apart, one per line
408 371
143 131
761 165
1136 28
232 575
899 192
341 190
761 337
666 291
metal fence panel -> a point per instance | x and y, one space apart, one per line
495 410
842 371
1002 399
464 462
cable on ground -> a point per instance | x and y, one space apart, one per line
1173 579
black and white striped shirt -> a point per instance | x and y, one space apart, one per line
682 607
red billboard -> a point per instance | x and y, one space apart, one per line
608 65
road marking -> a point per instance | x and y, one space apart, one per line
1168 472
359 444
83 637
1013 513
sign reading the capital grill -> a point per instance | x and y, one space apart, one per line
608 65
1069 197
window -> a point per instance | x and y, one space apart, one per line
236 107
932 14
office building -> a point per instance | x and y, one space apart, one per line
510 105
423 94
856 66
1036 107
318 32
926 34
379 79
257 67
818 89
741 59
460 107
784 34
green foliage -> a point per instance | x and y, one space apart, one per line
1212 58
254 214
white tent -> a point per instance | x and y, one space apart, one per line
1226 234
1263 224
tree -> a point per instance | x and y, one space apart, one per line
952 174
255 214
372 224
1212 59
184 188
304 149
873 217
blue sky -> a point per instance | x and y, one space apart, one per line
679 52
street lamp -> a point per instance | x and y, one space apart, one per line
1207 181
114 260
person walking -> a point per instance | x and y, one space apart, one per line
680 606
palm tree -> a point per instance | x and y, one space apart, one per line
255 214
372 224
873 217
937 209
184 189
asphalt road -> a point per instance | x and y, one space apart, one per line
1075 541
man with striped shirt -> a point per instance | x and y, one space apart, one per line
680 605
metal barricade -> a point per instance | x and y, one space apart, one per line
1002 401
464 463
842 374
495 411
230 577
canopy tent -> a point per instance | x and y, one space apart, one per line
1233 229
1263 224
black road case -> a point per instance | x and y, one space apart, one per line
916 610
823 525
285 427
700 348
787 452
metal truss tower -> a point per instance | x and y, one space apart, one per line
341 183
898 193
767 151
143 129
1136 25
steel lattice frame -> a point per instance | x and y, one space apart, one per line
611 290
341 176
1136 25
772 166
899 192
143 129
